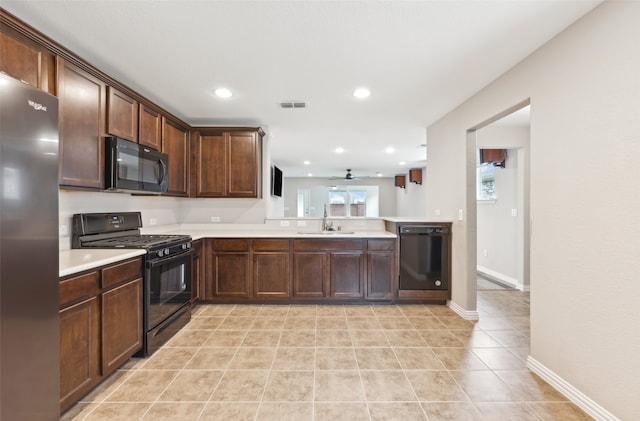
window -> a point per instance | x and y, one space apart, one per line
357 200
486 182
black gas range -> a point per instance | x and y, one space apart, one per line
167 269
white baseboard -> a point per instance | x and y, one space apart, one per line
465 314
573 394
502 279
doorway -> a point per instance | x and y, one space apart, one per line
498 201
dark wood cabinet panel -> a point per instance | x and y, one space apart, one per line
26 60
80 368
121 324
271 275
122 115
227 162
81 123
415 175
175 143
197 271
150 127
244 164
380 275
346 275
210 165
100 328
230 275
310 274
121 272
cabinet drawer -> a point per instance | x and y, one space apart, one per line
234 244
126 271
381 245
327 245
270 245
79 288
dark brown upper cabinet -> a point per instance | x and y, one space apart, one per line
495 156
415 175
81 122
175 143
26 60
227 162
150 127
122 115
401 181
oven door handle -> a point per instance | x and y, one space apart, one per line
164 261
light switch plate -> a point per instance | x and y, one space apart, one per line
514 212
460 214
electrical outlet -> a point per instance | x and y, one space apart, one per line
437 212
485 252
63 230
514 212
153 221
301 223
215 219
284 223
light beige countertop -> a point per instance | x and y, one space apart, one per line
198 234
417 220
78 260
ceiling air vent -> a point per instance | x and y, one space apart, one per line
293 104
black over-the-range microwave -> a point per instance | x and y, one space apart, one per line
130 166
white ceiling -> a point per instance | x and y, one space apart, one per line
420 59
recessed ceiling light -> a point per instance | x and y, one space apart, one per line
402 163
307 163
361 93
223 93
309 175
389 150
339 150
379 174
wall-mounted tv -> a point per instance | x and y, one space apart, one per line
276 182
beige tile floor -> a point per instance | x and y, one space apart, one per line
384 362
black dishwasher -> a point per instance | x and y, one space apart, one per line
424 257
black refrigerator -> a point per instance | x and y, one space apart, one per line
29 326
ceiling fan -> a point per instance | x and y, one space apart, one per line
348 177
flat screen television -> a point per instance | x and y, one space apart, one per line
276 182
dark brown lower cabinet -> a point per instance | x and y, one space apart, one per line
100 326
310 275
346 274
80 367
197 271
121 324
299 270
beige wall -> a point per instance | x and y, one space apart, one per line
412 200
584 87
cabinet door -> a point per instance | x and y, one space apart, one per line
230 275
175 143
79 350
210 165
122 115
243 164
310 274
26 60
121 324
346 275
197 272
380 273
271 275
150 127
82 108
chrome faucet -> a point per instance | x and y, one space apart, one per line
326 226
